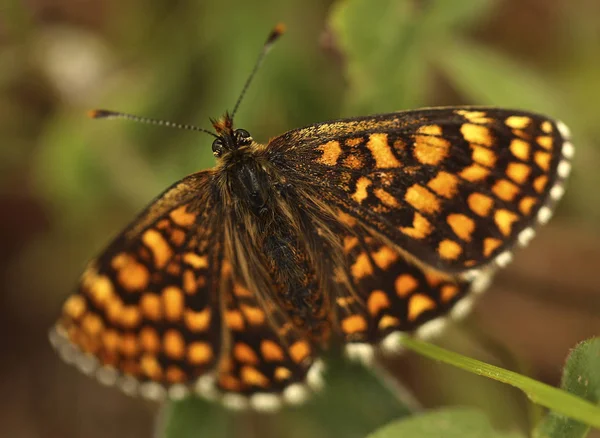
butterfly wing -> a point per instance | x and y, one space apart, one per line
452 188
386 293
161 310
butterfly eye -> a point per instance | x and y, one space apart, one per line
242 136
217 147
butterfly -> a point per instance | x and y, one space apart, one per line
235 280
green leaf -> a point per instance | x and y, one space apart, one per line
447 423
486 77
560 401
194 417
582 378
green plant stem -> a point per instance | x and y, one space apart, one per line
553 398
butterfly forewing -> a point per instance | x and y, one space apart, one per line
452 187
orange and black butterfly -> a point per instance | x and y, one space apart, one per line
234 281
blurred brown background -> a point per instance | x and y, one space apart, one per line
67 183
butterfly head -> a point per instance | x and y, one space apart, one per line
228 139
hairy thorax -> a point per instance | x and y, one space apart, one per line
268 222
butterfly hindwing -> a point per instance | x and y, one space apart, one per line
385 292
455 188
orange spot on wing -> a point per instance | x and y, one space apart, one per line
421 227
545 141
181 216
243 353
251 376
490 244
111 340
74 307
353 162
382 152
150 367
199 353
477 134
175 375
229 383
159 246
539 184
254 315
360 194
352 142
271 352
346 219
386 198
130 316
546 127
151 306
444 184
331 153
520 149
149 340
482 155
526 204
282 373
299 351
197 321
542 159
418 304
518 172
463 226
505 190
195 260
449 249
361 267
173 344
480 204
448 291
517 122
92 324
474 116
384 257
173 302
474 173
377 301
504 220
131 274
354 324
388 321
405 284
422 199
234 320
429 146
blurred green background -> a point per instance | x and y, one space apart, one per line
68 183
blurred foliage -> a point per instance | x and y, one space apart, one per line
74 182
447 423
581 377
338 410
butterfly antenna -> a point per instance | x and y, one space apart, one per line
107 114
273 36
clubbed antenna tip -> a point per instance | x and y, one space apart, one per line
275 34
